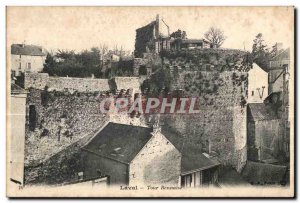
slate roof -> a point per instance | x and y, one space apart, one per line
261 111
283 55
196 162
30 50
192 158
120 142
262 173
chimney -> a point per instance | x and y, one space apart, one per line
156 125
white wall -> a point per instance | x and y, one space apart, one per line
257 79
158 163
37 63
17 119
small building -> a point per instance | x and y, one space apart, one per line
179 43
131 155
278 70
153 37
279 82
198 170
257 84
264 133
26 58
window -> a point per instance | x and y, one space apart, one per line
29 66
252 93
188 180
20 65
287 147
80 175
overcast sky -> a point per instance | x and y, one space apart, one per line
81 28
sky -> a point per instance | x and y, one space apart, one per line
78 28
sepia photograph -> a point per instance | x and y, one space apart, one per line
150 102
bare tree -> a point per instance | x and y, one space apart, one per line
215 36
103 49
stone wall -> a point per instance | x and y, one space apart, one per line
78 114
145 39
40 80
62 119
128 83
61 168
219 79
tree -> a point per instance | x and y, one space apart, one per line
69 63
49 64
215 35
260 52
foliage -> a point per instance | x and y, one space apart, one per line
159 82
69 63
260 52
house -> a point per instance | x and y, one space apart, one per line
279 76
131 155
17 121
264 133
152 37
26 58
257 84
278 103
198 170
279 69
179 43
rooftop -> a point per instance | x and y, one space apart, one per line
193 159
261 112
30 50
119 142
262 173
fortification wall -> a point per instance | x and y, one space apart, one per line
41 80
128 83
219 79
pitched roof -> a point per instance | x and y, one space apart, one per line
30 50
120 142
261 111
282 55
193 158
262 173
195 162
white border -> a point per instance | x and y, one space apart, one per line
5 3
